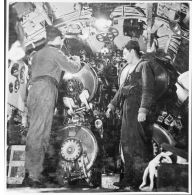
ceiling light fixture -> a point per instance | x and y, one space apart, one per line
102 24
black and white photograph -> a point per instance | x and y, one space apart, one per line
98 97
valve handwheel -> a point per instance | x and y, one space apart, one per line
100 37
114 31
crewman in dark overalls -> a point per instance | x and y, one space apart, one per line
47 66
136 96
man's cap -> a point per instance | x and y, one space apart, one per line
132 44
52 32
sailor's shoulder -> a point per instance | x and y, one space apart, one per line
56 50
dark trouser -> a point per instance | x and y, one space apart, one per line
136 144
41 103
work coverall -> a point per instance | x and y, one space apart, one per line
136 95
47 66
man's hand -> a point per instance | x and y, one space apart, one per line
24 121
108 113
25 118
141 117
71 112
76 59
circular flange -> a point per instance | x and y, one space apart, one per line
71 149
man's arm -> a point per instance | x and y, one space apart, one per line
66 64
148 81
116 100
